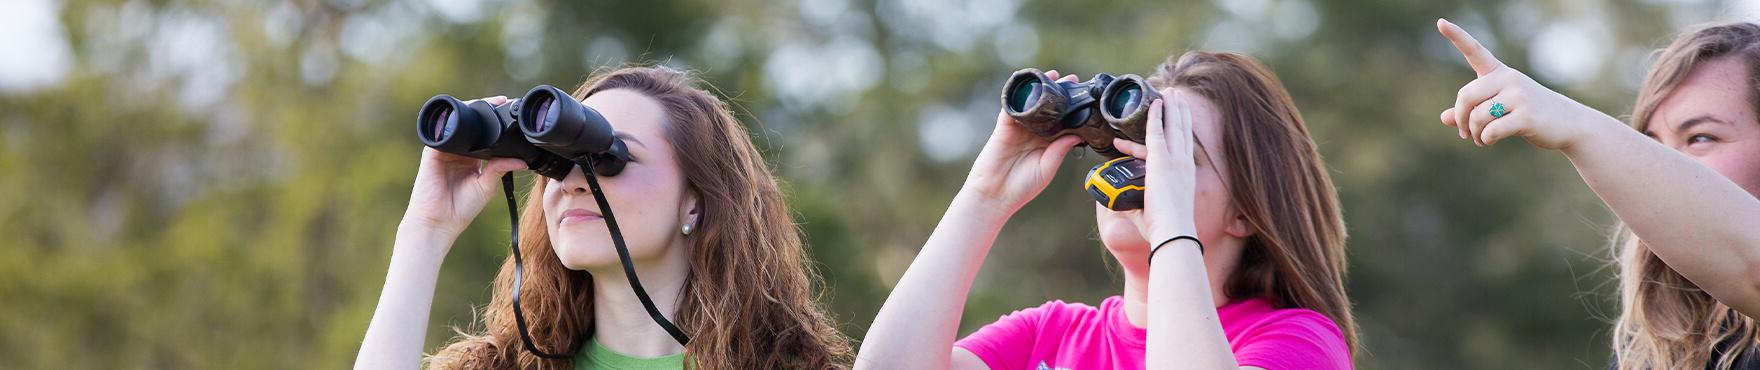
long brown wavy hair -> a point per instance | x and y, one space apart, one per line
1666 321
1296 255
749 299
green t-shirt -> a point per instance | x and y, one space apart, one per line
596 357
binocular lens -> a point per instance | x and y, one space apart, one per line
437 125
448 124
1126 101
545 116
1024 95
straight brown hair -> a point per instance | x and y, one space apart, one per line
1296 254
749 301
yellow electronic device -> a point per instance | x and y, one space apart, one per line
1117 184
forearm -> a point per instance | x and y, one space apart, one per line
916 327
1700 223
399 328
1184 331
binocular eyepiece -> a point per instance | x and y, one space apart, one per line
1051 108
547 129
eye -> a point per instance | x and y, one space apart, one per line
1700 138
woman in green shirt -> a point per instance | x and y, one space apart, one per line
706 227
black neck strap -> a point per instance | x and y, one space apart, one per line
629 268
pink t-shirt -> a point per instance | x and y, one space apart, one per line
1074 336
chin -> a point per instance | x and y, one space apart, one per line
1118 239
585 253
1116 231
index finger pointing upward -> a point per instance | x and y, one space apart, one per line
1477 56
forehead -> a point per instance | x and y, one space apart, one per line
1206 121
1718 87
631 113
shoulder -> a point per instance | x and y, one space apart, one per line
1055 310
1257 316
1016 339
1280 338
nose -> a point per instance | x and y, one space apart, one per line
576 182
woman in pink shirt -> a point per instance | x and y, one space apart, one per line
1240 221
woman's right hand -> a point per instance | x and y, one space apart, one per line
451 189
1169 209
1544 117
1015 165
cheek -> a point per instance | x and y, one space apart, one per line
552 197
1739 162
1211 213
645 202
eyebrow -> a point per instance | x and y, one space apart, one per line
1211 158
1695 121
1201 147
626 137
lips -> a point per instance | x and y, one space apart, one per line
577 215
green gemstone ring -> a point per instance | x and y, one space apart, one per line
1497 110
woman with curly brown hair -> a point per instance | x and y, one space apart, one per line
707 231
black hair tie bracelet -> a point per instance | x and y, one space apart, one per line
1170 240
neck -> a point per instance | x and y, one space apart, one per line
621 323
1136 280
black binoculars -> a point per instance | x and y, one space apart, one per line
1051 108
547 129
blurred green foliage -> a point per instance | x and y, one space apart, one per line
215 184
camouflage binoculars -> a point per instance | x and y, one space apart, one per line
1099 109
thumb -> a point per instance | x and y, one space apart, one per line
1053 154
493 169
1130 148
1061 146
501 166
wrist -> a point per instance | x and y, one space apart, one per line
981 206
1593 133
414 224
426 242
1163 233
1178 242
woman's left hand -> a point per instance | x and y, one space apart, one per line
1171 184
1544 117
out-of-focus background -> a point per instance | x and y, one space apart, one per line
215 184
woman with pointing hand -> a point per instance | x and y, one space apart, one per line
1683 180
